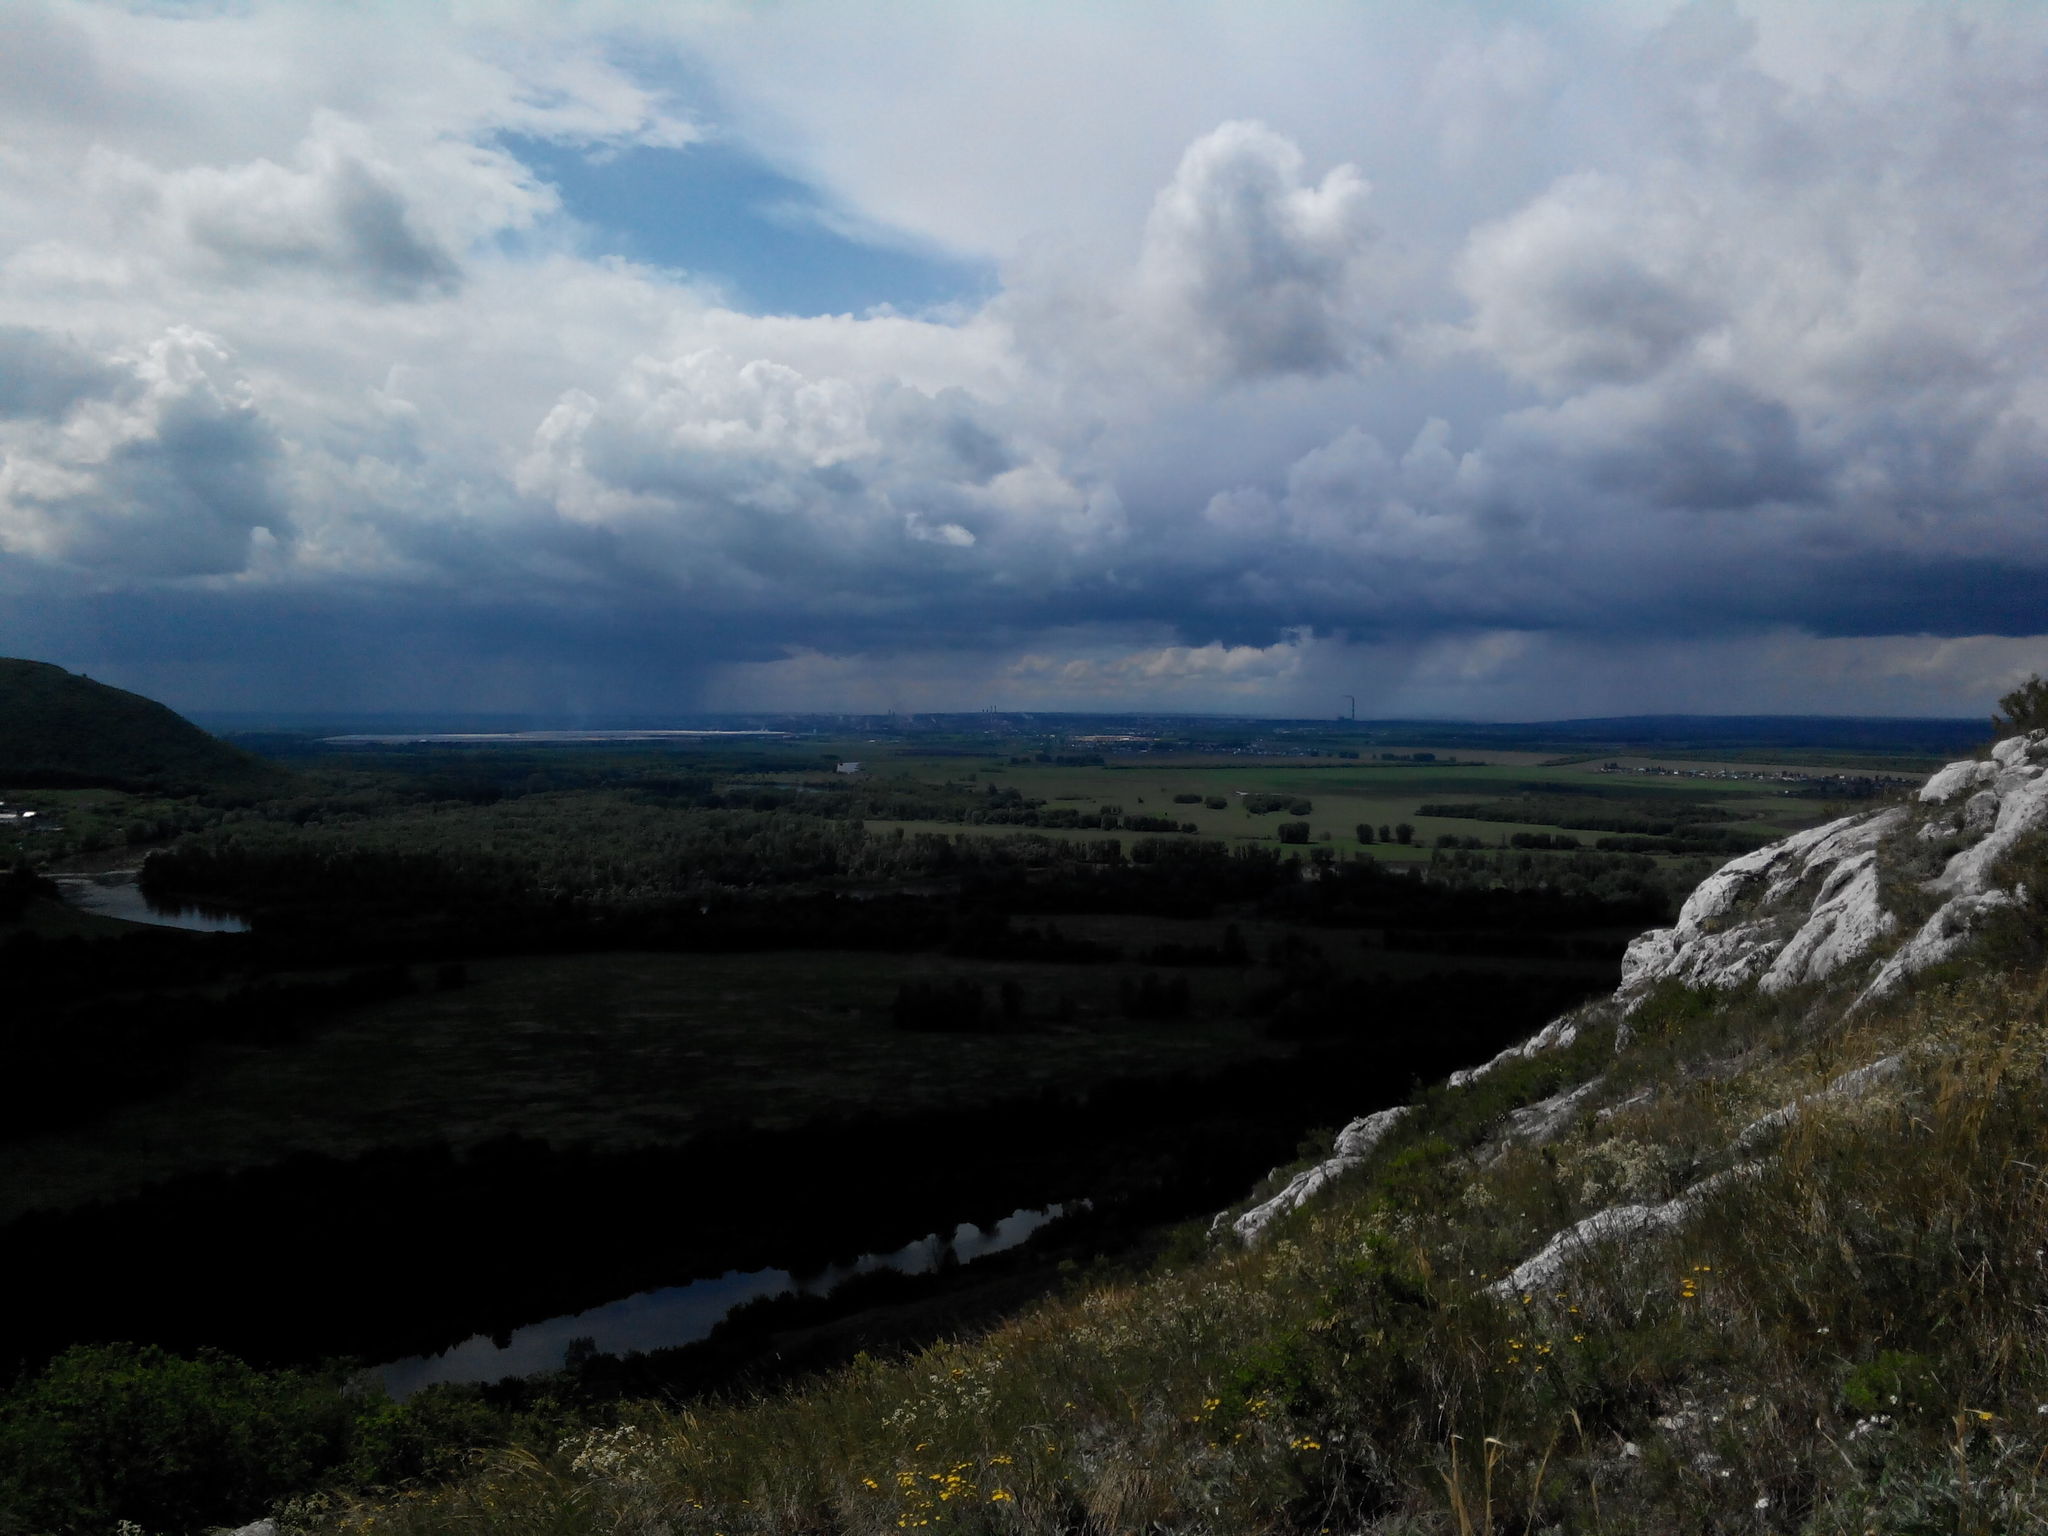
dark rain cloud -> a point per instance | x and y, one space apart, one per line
43 374
1773 364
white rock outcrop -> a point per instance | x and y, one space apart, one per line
1542 1270
1354 1144
1804 909
1794 911
1542 1121
1942 935
1850 1085
1813 905
1554 1036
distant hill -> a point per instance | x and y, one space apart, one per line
59 730
1866 733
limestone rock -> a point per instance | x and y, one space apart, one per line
1850 1085
1354 1144
1848 918
1747 921
1546 1267
1804 909
1554 1036
1941 936
1542 1121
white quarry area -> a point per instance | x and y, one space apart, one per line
1804 909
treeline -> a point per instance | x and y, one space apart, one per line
382 783
1661 826
1473 891
614 859
304 892
601 849
1632 881
1583 813
1266 805
1852 786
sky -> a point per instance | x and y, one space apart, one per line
1469 358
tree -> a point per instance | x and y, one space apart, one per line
2024 709
1405 833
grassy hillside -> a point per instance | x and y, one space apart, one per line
1845 1337
61 730
1810 1298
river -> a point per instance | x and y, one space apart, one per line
116 893
684 1314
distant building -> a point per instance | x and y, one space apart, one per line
847 768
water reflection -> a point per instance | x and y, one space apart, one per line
115 893
683 1314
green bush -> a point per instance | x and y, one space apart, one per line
2024 709
126 1432
112 1432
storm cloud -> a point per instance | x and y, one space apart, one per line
1463 361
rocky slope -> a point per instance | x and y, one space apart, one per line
1871 899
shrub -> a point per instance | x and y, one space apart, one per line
2024 709
113 1432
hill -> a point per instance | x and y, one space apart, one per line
59 730
1752 1244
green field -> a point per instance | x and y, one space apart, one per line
1345 793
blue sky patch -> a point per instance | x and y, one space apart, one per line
767 240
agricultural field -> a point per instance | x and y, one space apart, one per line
1756 800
